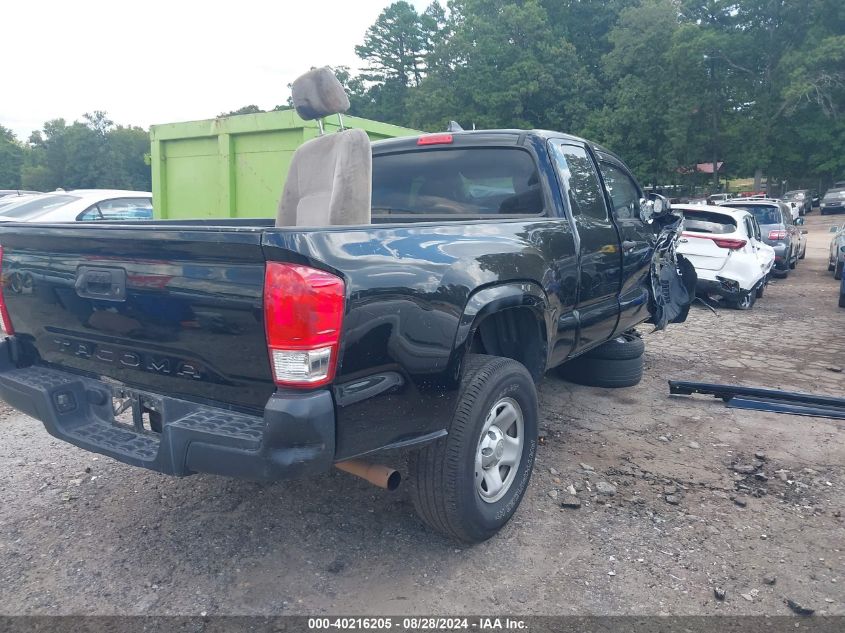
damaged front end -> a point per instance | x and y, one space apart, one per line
673 277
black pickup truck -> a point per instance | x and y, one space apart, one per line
241 349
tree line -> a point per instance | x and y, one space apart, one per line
86 154
667 84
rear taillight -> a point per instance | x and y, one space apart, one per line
777 235
732 244
5 321
303 313
722 242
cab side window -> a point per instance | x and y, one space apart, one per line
580 181
624 192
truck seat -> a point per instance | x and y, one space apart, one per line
330 177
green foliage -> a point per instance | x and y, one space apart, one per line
11 160
666 83
92 153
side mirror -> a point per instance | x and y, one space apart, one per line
654 206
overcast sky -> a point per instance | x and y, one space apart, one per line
160 62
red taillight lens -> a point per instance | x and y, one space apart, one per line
777 235
5 321
729 243
435 139
303 313
722 242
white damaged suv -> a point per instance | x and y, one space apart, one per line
727 249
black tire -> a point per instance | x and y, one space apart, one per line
793 263
822 212
603 372
443 482
831 267
745 302
837 272
623 347
841 299
760 289
803 252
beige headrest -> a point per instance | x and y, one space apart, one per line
318 93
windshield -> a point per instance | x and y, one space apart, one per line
39 205
793 195
764 214
835 195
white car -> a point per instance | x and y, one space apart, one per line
727 250
81 205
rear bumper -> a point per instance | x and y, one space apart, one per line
294 437
721 288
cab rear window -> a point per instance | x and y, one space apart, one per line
708 222
471 181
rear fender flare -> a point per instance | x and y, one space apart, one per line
493 299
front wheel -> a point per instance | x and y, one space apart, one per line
837 272
469 484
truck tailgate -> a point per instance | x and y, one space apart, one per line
175 310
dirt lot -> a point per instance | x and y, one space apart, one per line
86 535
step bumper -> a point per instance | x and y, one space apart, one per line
294 437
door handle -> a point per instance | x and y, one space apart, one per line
628 246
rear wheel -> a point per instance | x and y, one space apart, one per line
842 299
745 301
760 289
469 484
837 273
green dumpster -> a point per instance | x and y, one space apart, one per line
235 167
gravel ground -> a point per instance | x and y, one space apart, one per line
82 534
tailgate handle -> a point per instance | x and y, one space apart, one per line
106 284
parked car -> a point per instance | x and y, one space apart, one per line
833 201
718 197
802 198
81 205
779 230
836 259
15 192
726 247
12 199
420 322
842 293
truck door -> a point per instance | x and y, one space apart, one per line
637 238
598 243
